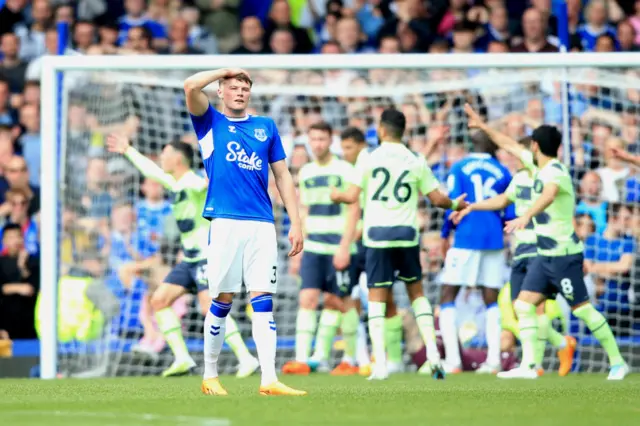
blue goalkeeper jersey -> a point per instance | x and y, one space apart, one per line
480 176
237 153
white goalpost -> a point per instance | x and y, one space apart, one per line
142 95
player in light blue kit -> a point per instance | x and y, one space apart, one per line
477 256
238 149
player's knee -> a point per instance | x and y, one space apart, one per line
308 300
333 302
224 298
159 301
414 290
392 310
448 294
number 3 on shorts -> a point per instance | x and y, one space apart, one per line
275 275
567 288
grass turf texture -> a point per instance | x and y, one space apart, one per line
407 399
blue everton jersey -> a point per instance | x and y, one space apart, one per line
480 176
237 153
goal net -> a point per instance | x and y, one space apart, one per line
111 220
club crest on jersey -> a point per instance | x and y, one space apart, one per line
238 155
260 134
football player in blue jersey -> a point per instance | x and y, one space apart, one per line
476 258
238 149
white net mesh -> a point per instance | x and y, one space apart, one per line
114 219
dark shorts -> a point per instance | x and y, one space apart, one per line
190 275
317 272
357 266
385 265
551 275
518 272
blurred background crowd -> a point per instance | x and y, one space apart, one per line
116 226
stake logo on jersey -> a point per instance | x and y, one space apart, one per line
238 176
480 176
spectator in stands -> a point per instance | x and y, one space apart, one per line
108 37
591 202
84 36
497 29
12 67
6 153
535 34
350 37
96 201
77 238
635 21
220 18
411 19
614 173
252 35
18 214
152 211
19 279
609 257
199 37
464 37
139 40
29 141
595 26
7 114
51 44
17 175
605 43
64 13
389 44
135 17
585 226
282 42
179 39
626 34
32 35
280 18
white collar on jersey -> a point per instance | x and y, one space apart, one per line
245 118
482 155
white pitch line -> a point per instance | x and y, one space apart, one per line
146 417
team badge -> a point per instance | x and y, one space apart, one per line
260 134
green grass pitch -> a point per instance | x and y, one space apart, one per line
408 399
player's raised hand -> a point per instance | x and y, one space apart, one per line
623 155
296 240
516 224
474 120
117 143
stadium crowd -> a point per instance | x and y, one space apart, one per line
114 225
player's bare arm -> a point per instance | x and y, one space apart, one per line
503 141
499 202
350 196
342 257
287 190
547 196
120 144
626 156
197 100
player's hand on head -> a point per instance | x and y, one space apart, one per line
117 143
232 72
296 240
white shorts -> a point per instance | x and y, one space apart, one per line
242 251
471 268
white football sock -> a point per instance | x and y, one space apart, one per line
362 348
449 332
376 330
493 334
264 334
214 331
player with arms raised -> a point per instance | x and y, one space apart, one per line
188 192
558 268
520 195
238 149
391 178
477 256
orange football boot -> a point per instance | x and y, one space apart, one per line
344 369
540 372
297 368
280 389
566 356
213 387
